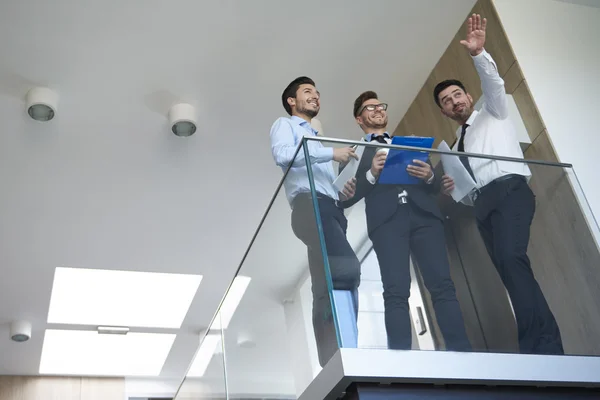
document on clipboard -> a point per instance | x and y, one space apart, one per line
454 168
349 170
394 170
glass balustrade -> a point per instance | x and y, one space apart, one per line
507 265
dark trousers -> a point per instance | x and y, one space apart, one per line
504 213
412 230
343 264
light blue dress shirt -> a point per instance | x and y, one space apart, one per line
286 134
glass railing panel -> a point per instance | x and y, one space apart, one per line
206 377
510 265
277 320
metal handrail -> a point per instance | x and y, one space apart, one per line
435 151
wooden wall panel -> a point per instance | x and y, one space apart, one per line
528 110
34 388
423 116
60 388
102 389
564 255
513 78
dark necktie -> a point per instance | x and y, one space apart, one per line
461 148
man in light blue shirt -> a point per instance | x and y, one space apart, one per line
301 101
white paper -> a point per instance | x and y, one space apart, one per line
454 168
349 171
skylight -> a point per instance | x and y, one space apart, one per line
121 298
72 352
205 353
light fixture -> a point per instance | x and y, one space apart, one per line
245 341
121 298
113 330
78 352
231 302
20 331
182 119
42 103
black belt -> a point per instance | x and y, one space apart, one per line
505 178
320 196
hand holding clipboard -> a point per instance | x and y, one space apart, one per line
397 161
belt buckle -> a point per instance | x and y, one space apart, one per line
402 197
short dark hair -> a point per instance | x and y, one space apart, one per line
368 95
292 88
440 87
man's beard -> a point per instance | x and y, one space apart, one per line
463 115
309 112
376 125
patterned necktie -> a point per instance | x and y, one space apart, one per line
461 148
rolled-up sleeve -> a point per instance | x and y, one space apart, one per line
284 144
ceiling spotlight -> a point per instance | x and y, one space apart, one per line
182 118
20 331
42 103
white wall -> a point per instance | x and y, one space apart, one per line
557 45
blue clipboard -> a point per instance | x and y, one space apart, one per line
394 169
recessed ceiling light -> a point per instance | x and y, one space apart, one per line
121 298
231 302
205 353
182 118
41 103
89 353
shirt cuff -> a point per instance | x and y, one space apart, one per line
484 58
325 154
480 55
430 180
371 178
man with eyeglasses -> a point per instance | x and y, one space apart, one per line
405 219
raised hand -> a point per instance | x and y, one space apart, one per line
475 34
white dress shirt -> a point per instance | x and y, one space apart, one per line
286 135
490 130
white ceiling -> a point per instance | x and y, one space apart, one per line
105 185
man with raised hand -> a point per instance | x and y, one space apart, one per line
504 203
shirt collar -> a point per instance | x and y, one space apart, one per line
304 123
472 117
370 136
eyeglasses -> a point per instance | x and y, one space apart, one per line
373 107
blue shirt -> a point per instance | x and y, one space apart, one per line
286 134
